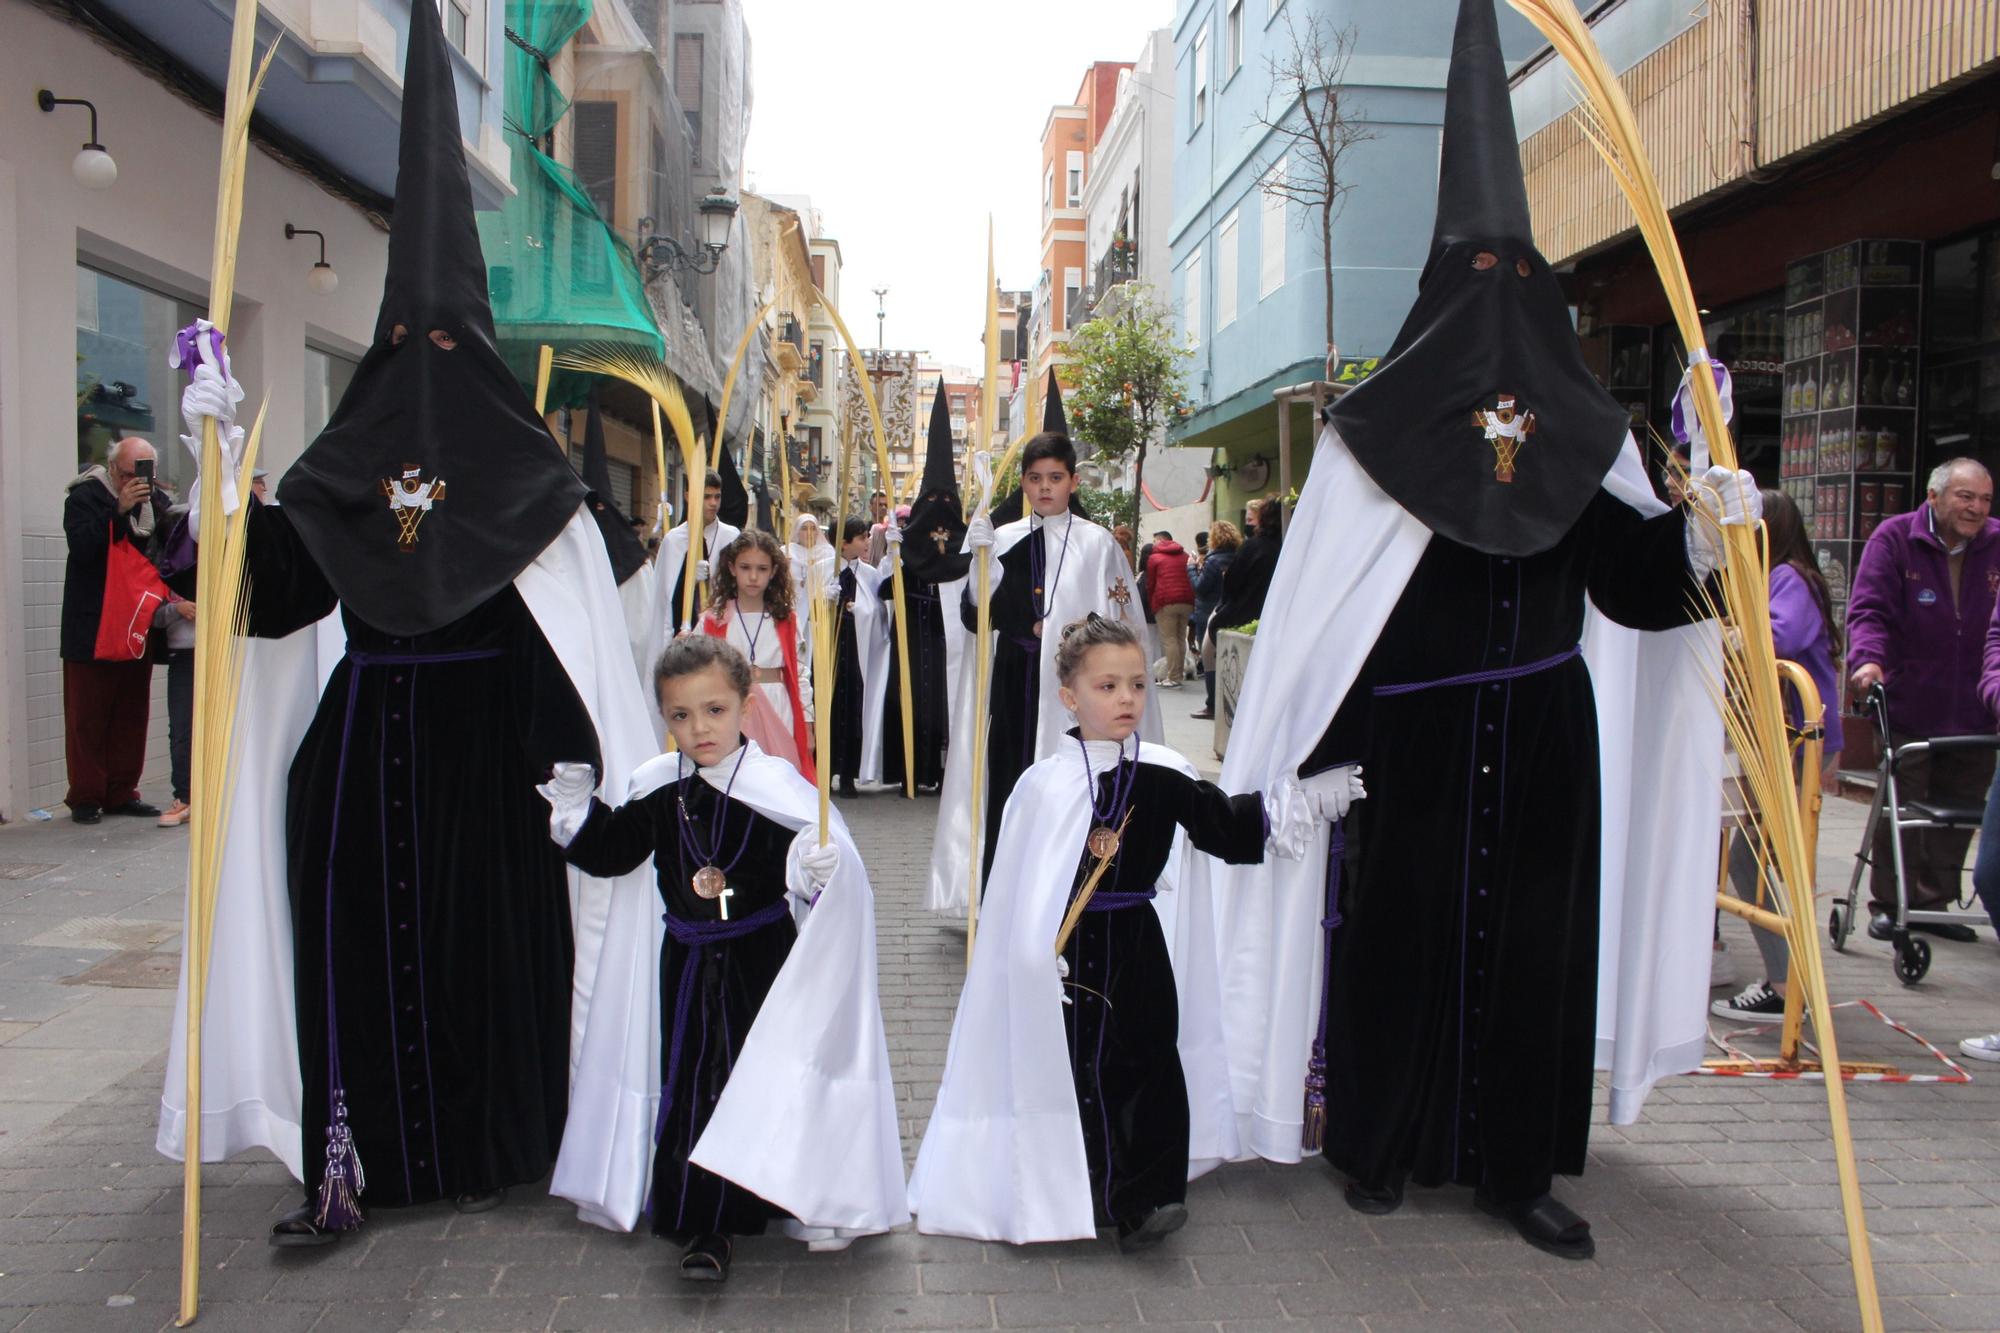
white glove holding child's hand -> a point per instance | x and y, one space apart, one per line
568 793
701 571
1719 499
979 533
1334 792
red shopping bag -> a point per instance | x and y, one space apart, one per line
133 592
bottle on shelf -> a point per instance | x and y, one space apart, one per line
1871 384
1846 385
1906 386
1811 391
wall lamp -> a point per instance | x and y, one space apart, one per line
322 279
661 253
92 166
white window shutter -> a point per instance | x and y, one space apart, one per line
1191 298
1271 238
1227 272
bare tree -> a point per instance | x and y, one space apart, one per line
1312 129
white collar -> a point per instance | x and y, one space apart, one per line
1103 754
718 774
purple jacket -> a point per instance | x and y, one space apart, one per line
1989 679
1901 617
1800 635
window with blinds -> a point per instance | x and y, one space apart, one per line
597 155
687 83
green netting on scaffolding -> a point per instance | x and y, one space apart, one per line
555 270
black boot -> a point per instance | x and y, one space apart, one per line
1374 1200
1146 1232
298 1229
706 1259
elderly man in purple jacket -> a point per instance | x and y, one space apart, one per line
1923 597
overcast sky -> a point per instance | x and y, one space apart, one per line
908 121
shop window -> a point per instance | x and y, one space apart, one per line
124 386
1961 399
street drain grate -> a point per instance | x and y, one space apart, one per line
105 932
25 869
132 969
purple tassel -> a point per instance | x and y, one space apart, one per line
1314 1137
340 1189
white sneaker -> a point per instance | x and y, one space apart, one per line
1982 1048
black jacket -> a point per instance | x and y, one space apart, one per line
91 522
1247 581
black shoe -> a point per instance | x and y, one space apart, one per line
143 809
298 1230
484 1202
1374 1200
847 787
1948 930
706 1259
1151 1229
85 814
1202 714
1753 1004
1881 926
1546 1223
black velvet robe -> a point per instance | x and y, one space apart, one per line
1123 1019
728 987
1463 979
415 835
930 688
1016 691
844 759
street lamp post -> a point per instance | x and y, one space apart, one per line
661 253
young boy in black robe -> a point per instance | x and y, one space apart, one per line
726 877
1090 836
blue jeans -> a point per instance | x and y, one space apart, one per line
1986 866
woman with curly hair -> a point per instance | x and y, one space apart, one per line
752 610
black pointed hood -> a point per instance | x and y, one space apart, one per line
936 526
1487 363
1053 417
434 483
735 508
621 541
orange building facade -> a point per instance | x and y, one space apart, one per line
1069 138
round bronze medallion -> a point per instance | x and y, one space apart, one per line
709 882
1103 842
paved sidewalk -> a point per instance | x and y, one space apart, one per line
1717 1211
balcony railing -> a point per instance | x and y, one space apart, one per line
1117 266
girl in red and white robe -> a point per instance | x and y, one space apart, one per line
753 610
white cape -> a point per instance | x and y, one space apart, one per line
250 1063
1094 567
636 598
1348 554
808 1117
1003 1156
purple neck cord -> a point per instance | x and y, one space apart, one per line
691 848
1124 777
1045 599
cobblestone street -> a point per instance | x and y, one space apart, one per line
1717 1211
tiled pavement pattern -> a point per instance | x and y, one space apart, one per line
1718 1211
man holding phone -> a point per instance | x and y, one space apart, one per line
105 704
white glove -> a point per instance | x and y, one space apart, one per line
1719 499
892 535
1291 818
819 863
568 792
210 394
979 533
701 571
1334 792
231 439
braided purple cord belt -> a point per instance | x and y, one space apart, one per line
1111 901
1480 677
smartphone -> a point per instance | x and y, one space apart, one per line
143 470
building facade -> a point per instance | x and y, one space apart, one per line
1247 270
94 284
1069 137
1835 185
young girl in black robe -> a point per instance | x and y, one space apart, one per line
728 875
996 1163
